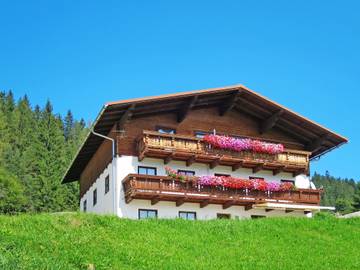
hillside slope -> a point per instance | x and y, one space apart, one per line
79 241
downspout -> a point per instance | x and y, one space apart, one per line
113 168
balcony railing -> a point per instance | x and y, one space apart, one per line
164 188
191 149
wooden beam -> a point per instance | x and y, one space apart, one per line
270 122
278 170
228 204
180 202
237 166
181 115
168 158
317 143
230 103
214 163
257 168
125 118
268 210
204 203
190 161
298 172
289 210
155 200
248 207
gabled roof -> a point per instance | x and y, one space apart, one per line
315 137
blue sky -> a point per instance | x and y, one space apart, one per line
80 54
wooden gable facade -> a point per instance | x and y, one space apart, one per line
234 111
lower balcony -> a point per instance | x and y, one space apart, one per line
164 188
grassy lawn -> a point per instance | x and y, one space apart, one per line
83 241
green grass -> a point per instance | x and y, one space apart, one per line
79 241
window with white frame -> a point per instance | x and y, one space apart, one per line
187 215
147 170
147 213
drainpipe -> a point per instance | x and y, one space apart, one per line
113 168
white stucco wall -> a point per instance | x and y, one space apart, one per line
129 164
104 203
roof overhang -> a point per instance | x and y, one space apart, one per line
236 97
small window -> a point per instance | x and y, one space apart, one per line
257 216
187 173
222 174
187 215
166 130
146 213
287 181
147 170
84 205
107 184
201 134
253 177
223 216
94 196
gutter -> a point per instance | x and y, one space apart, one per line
113 167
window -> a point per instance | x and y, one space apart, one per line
146 170
201 134
222 174
84 205
146 213
187 173
253 177
94 196
256 216
223 216
166 130
287 181
107 184
187 215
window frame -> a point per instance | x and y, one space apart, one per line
147 210
287 181
223 216
94 196
187 213
147 167
186 171
254 177
157 128
222 175
107 184
201 134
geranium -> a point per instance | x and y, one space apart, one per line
237 144
287 186
231 182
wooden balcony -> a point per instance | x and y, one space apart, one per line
164 188
191 149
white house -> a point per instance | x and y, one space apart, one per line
231 153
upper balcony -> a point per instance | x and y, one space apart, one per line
191 149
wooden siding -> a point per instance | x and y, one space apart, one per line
96 166
233 123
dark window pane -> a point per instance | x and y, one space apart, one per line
287 181
222 174
188 173
107 184
94 197
84 206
